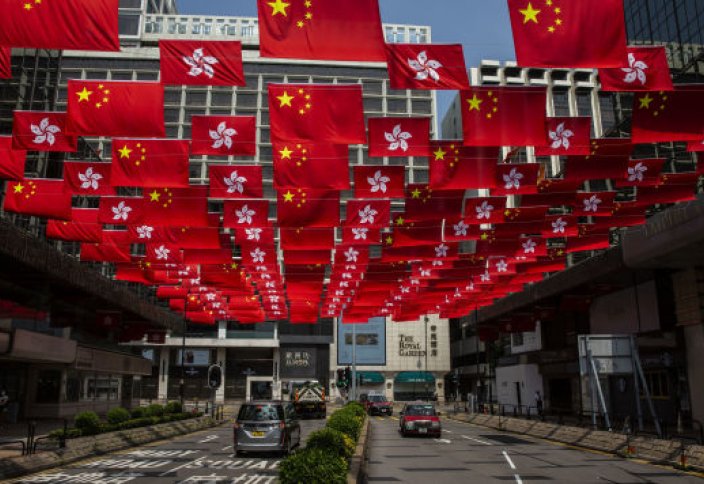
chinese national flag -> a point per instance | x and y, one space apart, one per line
344 30
87 178
5 63
308 208
177 207
38 197
246 213
561 33
308 239
308 165
301 257
504 116
11 161
150 163
379 181
399 137
83 227
324 113
201 63
427 66
368 213
424 203
421 233
668 116
120 210
224 135
114 108
566 136
115 253
453 166
647 70
235 181
41 131
60 24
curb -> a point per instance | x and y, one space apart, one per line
358 463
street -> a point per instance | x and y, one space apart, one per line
467 453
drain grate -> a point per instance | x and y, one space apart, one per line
506 439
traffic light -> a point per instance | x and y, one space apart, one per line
348 376
214 377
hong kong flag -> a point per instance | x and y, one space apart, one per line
317 113
11 161
114 108
62 25
41 131
163 253
427 66
235 181
368 213
201 63
647 70
485 210
38 197
641 173
308 208
560 33
504 116
344 30
566 136
150 163
246 214
399 137
83 227
5 63
120 210
311 165
595 204
668 116
360 236
87 178
453 166
515 179
223 135
379 181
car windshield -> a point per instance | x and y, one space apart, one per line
420 410
261 413
377 398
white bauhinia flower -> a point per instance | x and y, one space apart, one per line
529 246
591 204
121 211
513 179
425 68
145 232
635 71
405 290
45 132
558 226
458 294
360 234
244 215
257 255
637 172
253 234
351 254
398 138
200 64
162 253
210 296
501 266
486 277
441 250
460 229
90 179
367 215
222 136
235 183
378 182
470 287
425 273
484 210
560 137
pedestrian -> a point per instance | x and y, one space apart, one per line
539 403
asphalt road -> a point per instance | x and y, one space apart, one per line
470 454
202 457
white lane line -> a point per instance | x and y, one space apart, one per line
448 431
483 442
518 479
510 462
443 441
227 448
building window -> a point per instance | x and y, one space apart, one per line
48 386
657 384
102 388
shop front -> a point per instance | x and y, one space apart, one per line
414 385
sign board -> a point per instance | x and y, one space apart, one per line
611 353
371 342
194 357
298 362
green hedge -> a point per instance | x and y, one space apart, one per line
332 440
347 422
118 415
313 466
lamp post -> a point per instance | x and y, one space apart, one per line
425 377
182 382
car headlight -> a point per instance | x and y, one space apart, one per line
435 424
409 425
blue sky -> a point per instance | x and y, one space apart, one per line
482 26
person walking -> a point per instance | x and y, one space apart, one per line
539 403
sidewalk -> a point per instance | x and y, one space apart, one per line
18 432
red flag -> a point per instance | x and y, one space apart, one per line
308 239
427 66
514 179
11 161
504 116
179 207
453 166
566 136
150 163
642 173
319 166
421 233
306 257
588 242
163 253
105 253
41 131
561 33
379 181
458 230
114 108
595 204
61 25
246 214
668 116
345 30
120 210
424 203
371 213
235 181
83 227
360 236
224 135
484 210
399 137
38 197
308 208
5 63
201 63
557 226
695 146
647 70
317 113
87 178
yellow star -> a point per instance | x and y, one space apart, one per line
308 4
279 7
475 103
18 188
645 101
440 154
400 221
415 193
530 14
299 24
28 6
389 240
309 16
485 236
285 153
154 196
84 95
551 29
125 152
285 100
288 197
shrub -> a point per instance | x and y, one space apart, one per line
138 412
154 410
333 441
70 434
357 408
313 465
173 407
346 422
118 415
87 422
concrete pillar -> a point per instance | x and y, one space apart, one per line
221 360
164 373
222 330
276 372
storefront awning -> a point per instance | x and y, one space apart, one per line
370 377
414 377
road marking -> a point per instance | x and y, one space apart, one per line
209 438
483 442
443 441
448 431
394 418
510 462
227 447
518 479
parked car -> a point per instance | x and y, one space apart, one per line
420 418
378 404
266 426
